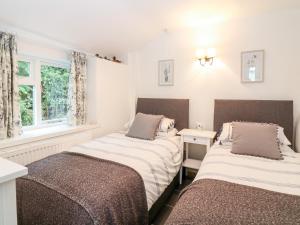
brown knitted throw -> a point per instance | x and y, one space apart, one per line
213 202
74 189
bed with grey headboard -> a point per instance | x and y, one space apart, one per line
261 111
236 189
177 109
67 184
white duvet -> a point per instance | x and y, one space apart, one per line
275 175
156 161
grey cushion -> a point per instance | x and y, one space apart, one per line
256 139
144 126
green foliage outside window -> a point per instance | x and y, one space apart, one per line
23 69
55 81
26 104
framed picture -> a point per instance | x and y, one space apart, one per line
252 66
166 72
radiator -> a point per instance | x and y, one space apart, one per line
33 153
27 153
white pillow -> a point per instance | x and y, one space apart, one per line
226 134
128 124
282 138
166 124
169 133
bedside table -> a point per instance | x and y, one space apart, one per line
194 136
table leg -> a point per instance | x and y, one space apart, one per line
180 176
186 156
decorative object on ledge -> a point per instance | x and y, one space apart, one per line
252 66
113 59
206 56
166 72
99 56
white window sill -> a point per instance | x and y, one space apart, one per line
29 136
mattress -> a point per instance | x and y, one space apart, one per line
156 161
275 175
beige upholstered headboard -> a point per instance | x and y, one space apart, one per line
177 109
268 111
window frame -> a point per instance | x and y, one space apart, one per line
34 80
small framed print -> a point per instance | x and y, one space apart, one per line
252 66
166 72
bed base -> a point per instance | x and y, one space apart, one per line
157 206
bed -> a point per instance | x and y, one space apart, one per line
238 189
114 179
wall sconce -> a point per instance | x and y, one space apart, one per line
206 57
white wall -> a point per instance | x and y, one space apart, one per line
32 48
278 34
108 93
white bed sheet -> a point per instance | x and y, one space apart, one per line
156 161
275 175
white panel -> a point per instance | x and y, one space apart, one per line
8 210
109 101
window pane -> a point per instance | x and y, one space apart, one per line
23 69
26 104
55 82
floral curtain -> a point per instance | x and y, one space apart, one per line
77 90
10 124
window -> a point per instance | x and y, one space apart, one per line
23 68
54 91
26 104
43 90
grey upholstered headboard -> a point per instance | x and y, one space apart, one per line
177 109
268 111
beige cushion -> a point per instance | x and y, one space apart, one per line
256 139
144 126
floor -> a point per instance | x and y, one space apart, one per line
166 210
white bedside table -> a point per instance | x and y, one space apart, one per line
9 171
194 136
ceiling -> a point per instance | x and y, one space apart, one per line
119 26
